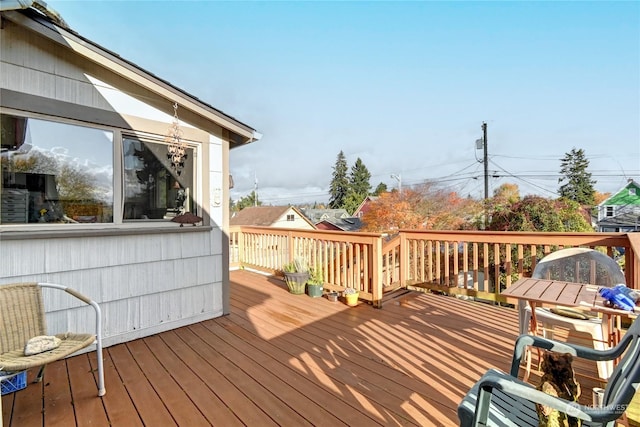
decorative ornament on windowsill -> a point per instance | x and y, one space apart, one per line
177 149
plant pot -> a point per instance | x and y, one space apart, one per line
332 296
296 282
352 299
314 291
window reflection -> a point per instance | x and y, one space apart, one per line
55 172
152 189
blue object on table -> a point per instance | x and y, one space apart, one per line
619 296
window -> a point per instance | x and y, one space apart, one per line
632 191
61 173
55 172
290 217
608 211
152 189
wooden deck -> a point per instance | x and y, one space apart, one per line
289 360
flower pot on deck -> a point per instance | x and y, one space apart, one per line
332 296
352 299
314 290
296 282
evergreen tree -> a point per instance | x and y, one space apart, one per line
578 185
359 179
249 200
381 188
351 202
339 183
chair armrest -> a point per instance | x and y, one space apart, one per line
84 299
589 353
98 312
522 390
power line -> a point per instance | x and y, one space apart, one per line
523 180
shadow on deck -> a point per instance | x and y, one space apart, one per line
282 359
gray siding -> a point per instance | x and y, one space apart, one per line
143 283
146 280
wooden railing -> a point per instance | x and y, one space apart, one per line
483 263
347 260
474 263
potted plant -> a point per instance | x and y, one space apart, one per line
315 282
351 295
332 296
296 274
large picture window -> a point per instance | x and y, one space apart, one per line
55 172
61 173
152 188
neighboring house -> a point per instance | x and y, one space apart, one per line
621 211
341 224
364 206
319 215
272 216
92 176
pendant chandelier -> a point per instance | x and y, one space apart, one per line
177 149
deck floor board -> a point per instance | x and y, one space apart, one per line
283 359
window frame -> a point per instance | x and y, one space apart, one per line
196 195
609 211
118 135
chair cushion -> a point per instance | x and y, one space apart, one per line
567 312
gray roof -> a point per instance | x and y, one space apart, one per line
346 224
318 215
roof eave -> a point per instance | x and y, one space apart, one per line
99 55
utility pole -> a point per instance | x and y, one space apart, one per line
398 178
255 189
486 174
486 163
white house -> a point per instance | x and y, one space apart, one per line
98 156
272 216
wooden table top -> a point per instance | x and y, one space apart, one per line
558 292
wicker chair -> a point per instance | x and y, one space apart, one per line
22 317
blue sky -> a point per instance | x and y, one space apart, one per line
405 86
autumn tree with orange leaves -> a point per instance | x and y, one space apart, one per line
424 207
394 211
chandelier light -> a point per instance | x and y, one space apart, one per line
177 149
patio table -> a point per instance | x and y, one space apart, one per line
580 296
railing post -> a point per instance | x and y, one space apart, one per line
241 254
403 256
632 261
292 255
376 279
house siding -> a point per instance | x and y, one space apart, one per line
145 282
298 222
36 66
624 207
